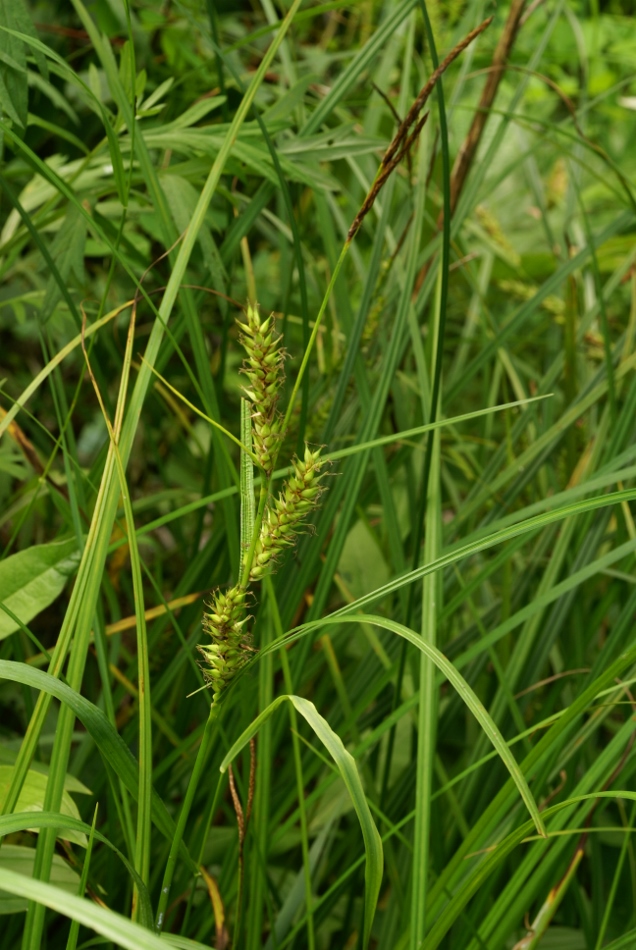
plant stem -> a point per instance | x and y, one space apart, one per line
184 814
247 566
312 338
298 766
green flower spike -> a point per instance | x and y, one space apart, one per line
283 520
264 370
224 622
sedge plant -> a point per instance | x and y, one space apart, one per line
276 526
266 535
463 616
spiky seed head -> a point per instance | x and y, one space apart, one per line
285 518
263 367
224 622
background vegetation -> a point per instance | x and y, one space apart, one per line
459 751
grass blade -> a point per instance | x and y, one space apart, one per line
348 770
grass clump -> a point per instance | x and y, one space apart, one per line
237 709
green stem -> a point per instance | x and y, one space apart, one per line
202 834
71 943
550 906
202 755
298 766
142 849
249 558
312 338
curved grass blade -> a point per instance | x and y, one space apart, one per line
22 821
466 693
349 772
114 750
481 544
121 931
61 355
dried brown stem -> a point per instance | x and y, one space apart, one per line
390 105
252 781
468 150
242 820
238 808
409 130
428 87
466 154
397 118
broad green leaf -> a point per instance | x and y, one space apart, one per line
32 798
71 783
16 863
20 20
349 772
13 74
362 566
32 579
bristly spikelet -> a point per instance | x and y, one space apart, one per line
224 622
264 370
284 519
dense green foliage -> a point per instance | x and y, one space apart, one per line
453 627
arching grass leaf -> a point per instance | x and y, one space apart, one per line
114 750
349 772
16 861
19 821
